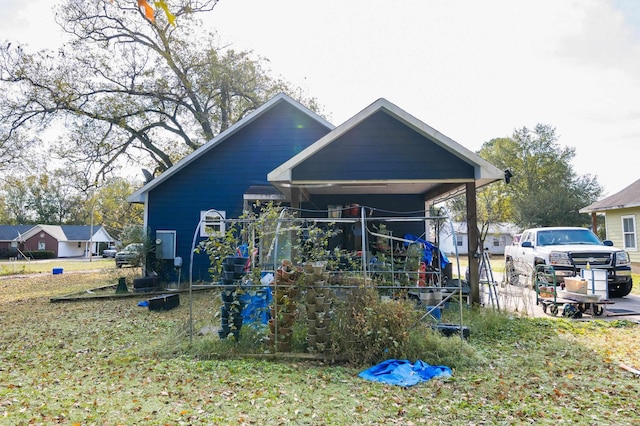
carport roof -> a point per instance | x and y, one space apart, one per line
461 166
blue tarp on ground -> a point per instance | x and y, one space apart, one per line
404 373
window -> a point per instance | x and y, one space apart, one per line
629 232
212 223
496 242
42 245
459 240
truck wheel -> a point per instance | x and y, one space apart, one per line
620 290
554 310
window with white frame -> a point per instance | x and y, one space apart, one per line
496 242
459 240
212 223
629 239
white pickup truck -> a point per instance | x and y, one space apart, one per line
569 250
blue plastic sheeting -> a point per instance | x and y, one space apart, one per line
404 373
256 306
429 248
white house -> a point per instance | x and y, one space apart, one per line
499 236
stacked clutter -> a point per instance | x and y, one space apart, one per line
318 307
283 309
231 311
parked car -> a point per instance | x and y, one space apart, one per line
109 251
130 255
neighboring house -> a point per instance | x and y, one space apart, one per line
382 158
62 240
622 212
10 237
498 237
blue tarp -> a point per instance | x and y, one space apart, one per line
404 373
256 306
429 248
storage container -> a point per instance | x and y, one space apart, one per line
596 282
164 302
575 285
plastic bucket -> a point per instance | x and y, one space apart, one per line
596 282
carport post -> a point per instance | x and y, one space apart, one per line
472 242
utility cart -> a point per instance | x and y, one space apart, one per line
552 295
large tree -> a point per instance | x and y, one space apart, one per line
129 87
45 197
545 190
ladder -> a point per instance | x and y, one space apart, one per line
486 277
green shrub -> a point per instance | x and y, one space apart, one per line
368 330
41 254
434 348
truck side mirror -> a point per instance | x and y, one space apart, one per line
527 244
608 243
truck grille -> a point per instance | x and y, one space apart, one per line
594 259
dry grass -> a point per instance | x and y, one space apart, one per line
111 362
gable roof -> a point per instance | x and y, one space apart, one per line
628 197
138 196
59 232
482 173
13 232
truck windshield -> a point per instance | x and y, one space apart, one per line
567 237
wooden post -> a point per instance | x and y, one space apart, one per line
472 242
594 223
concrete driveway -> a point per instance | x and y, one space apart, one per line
519 299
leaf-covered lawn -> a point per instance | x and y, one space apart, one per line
108 362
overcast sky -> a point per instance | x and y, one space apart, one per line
473 70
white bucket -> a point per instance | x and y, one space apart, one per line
596 282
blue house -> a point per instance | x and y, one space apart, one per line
382 158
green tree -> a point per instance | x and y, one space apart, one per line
112 210
44 197
16 197
492 207
129 89
544 190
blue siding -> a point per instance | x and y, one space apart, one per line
381 147
220 177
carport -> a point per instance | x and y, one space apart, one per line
385 154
